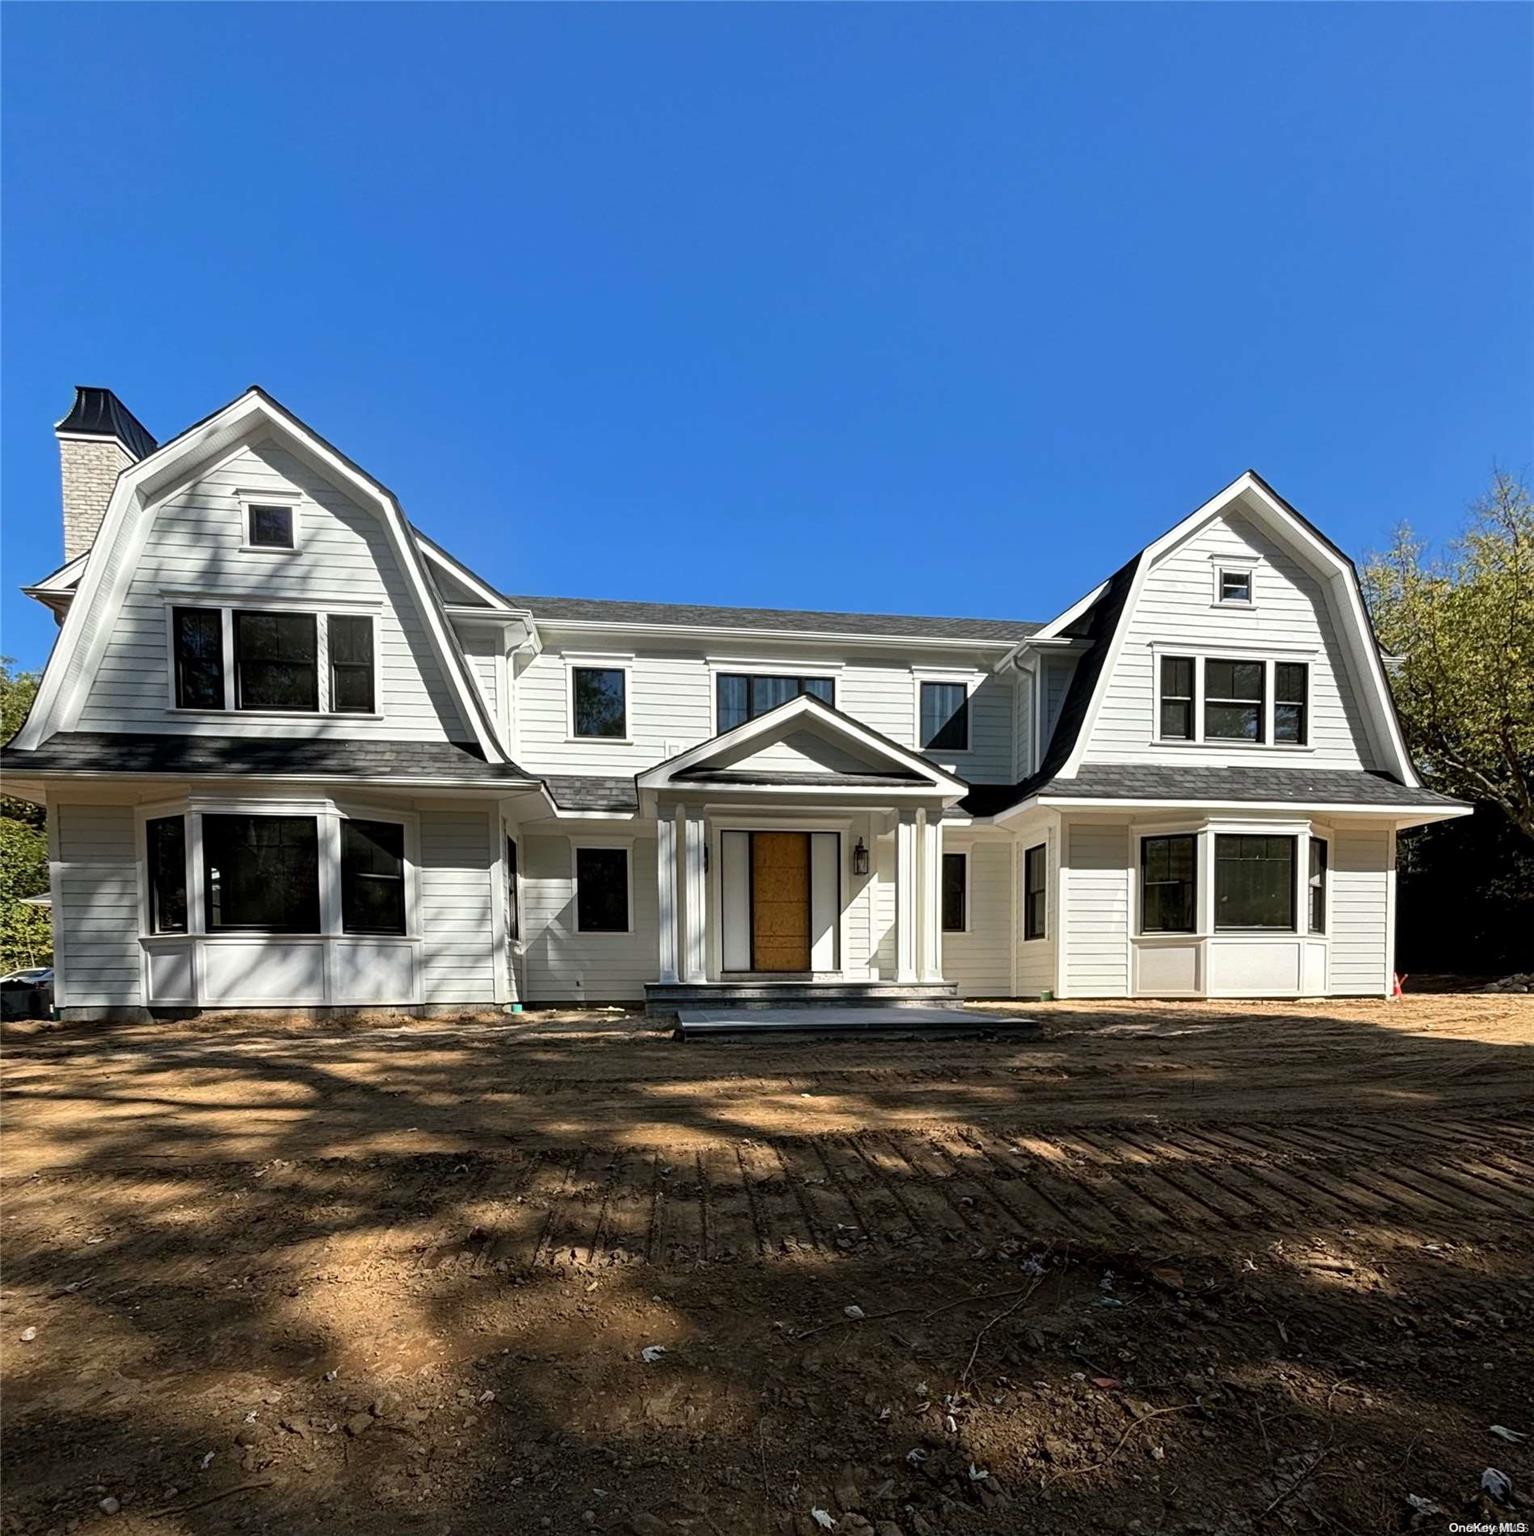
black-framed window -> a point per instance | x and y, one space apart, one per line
1320 857
945 717
276 660
199 646
602 890
1253 881
350 638
742 696
1233 700
513 894
261 873
1169 883
1177 698
271 527
955 892
372 876
600 703
1290 702
165 847
1235 586
1035 892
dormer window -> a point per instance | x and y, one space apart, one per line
1234 585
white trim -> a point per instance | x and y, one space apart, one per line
580 662
466 578
625 845
1234 565
1201 654
1064 620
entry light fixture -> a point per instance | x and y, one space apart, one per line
860 859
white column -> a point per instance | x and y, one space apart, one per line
905 897
694 900
930 901
665 864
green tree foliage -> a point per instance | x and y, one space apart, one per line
1463 625
26 932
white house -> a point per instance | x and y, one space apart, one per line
295 754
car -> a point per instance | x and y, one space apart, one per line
27 993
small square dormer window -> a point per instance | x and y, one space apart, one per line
1235 585
271 526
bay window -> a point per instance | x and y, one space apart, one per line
1319 857
1254 881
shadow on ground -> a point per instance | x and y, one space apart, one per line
1200 1268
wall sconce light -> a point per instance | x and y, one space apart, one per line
860 859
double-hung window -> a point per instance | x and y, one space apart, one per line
1291 689
1254 881
165 845
599 702
1168 883
199 643
1177 698
742 696
1233 700
955 892
1035 892
945 717
350 637
372 876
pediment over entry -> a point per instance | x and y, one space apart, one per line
802 745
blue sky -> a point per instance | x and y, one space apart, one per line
927 309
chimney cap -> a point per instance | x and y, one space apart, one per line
99 413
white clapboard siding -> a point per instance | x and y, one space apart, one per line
193 547
671 706
1360 911
97 918
1022 725
1058 672
980 960
564 966
483 646
1177 605
1097 945
457 870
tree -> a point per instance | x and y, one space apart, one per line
26 932
1463 626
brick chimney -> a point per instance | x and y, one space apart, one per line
98 440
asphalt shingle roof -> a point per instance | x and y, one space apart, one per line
807 621
257 756
575 792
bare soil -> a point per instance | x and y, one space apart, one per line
1193 1267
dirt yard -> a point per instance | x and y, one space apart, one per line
1179 1268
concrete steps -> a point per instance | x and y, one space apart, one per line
665 999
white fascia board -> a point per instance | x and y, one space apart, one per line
460 573
124 527
837 724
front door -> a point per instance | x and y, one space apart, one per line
780 901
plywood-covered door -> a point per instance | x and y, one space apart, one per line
780 901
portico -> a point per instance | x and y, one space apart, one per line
800 849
